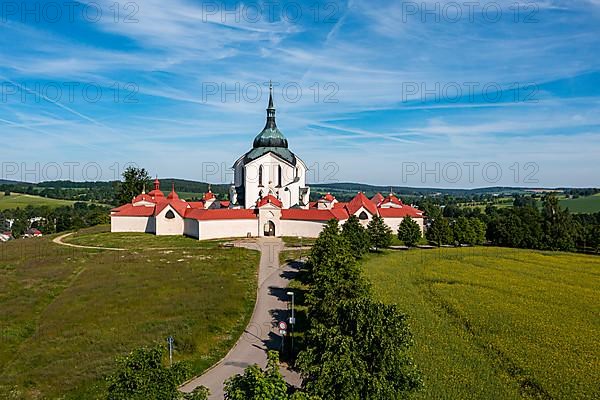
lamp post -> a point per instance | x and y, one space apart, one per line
292 321
170 341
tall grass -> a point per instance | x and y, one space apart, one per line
493 323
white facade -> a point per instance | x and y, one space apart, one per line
270 174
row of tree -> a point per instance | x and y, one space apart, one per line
355 347
551 228
52 220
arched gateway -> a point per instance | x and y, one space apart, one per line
270 228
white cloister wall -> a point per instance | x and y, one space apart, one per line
301 228
132 224
225 228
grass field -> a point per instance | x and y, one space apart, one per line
23 200
493 323
66 312
587 204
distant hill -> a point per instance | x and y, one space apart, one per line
413 191
9 182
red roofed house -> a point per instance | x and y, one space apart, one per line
269 197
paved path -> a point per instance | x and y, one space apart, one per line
262 332
59 240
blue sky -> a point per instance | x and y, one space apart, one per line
432 94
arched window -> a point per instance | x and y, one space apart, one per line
260 175
169 215
363 215
279 175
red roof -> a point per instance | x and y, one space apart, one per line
360 200
196 204
208 195
392 199
400 212
173 195
378 198
156 194
313 215
328 197
142 197
220 213
178 205
269 199
129 210
225 203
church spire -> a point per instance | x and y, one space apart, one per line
271 109
270 136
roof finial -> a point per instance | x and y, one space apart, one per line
209 188
173 185
271 109
144 188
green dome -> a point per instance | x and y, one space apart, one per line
270 136
270 139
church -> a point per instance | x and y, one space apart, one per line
269 197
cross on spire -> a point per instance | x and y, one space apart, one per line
271 109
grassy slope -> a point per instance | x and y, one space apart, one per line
587 204
23 200
66 313
497 323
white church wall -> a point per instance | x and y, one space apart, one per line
301 228
270 164
166 226
216 229
132 224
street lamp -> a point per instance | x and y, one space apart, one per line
292 321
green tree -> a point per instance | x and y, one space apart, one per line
134 181
258 384
363 355
141 375
7 193
357 236
409 232
440 232
334 274
559 229
380 234
463 231
479 230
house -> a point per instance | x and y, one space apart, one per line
32 232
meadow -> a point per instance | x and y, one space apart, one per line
584 204
68 312
23 200
496 323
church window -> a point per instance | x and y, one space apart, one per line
169 215
363 215
279 175
260 176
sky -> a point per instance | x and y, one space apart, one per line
446 94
